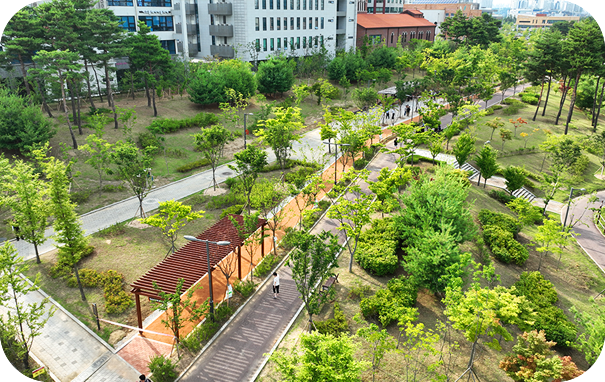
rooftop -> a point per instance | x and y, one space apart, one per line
371 21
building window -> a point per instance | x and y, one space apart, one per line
304 23
278 23
271 24
321 40
375 39
428 35
420 34
310 5
292 46
256 7
158 23
392 35
304 5
264 23
322 23
305 42
127 22
292 23
265 6
404 37
322 5
278 2
264 45
272 48
317 23
169 45
298 4
256 24
285 43
298 23
271 6
292 4
119 3
278 43
258 45
154 3
412 35
316 4
316 41
298 43
285 4
285 23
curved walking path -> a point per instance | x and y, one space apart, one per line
585 231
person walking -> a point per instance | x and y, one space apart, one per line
275 284
395 142
143 379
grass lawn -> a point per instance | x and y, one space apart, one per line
576 279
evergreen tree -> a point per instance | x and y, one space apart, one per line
276 75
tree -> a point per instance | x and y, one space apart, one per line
387 184
411 136
323 358
312 263
517 123
323 89
515 178
176 304
364 97
345 84
481 30
275 75
150 60
590 341
327 132
505 135
134 168
210 81
599 140
353 211
30 318
380 342
248 163
533 361
27 197
463 148
551 237
527 213
279 132
250 235
549 184
267 197
211 142
382 57
486 160
57 67
98 150
68 228
171 216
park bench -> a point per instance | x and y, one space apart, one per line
329 283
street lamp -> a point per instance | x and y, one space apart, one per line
245 130
373 80
569 203
487 142
223 243
336 155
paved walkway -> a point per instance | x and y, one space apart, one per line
586 232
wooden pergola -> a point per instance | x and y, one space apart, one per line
189 262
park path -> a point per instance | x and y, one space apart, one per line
101 362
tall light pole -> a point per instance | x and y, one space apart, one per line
336 155
192 238
569 203
245 129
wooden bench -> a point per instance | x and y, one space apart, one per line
329 283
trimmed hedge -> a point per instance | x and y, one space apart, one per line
235 209
193 165
168 125
529 98
377 249
334 326
400 292
504 221
542 295
503 245
501 196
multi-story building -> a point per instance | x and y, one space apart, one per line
449 7
541 20
392 29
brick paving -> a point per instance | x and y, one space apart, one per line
140 350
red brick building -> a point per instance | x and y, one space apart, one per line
388 27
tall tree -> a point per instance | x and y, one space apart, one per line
275 75
463 148
248 163
486 160
211 142
279 132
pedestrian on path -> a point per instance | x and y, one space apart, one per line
395 142
407 110
142 378
275 284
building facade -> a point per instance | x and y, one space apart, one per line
389 28
541 20
449 7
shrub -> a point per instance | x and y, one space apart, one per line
230 182
377 249
245 288
334 326
265 266
80 197
148 139
504 247
116 300
287 242
501 196
530 99
400 292
225 200
235 209
299 177
580 166
359 290
496 107
193 165
489 111
201 334
169 125
513 109
503 221
162 368
323 205
223 312
511 101
537 289
360 164
89 277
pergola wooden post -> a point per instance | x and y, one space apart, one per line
239 262
139 316
262 241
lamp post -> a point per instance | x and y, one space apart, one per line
569 203
336 155
192 238
245 129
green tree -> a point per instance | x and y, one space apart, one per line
380 342
515 178
353 211
328 133
533 361
364 97
505 135
211 142
210 81
494 124
323 89
99 153
323 358
175 304
27 196
387 184
527 213
30 318
279 132
267 197
275 75
248 163
549 184
133 166
345 84
172 215
463 148
312 263
591 340
550 238
486 160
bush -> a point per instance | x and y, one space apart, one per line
360 164
377 249
400 292
513 109
193 165
223 312
530 99
503 245
287 242
225 200
235 209
537 289
116 300
162 369
299 177
334 326
265 266
89 277
80 197
148 139
503 221
210 81
511 101
245 288
169 125
496 107
359 290
501 196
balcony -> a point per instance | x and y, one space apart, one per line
178 28
220 9
341 31
176 6
190 8
192 50
224 51
222 30
192 28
